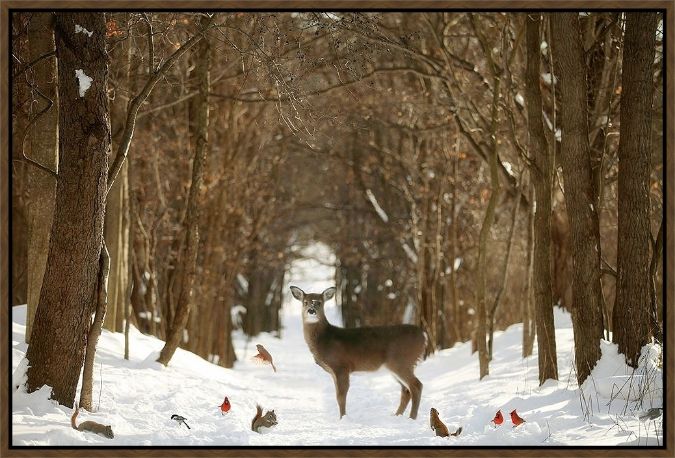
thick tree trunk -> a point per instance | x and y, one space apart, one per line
631 322
44 149
579 192
67 299
541 172
189 258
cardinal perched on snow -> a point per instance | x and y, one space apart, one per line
264 356
225 406
179 419
499 418
516 419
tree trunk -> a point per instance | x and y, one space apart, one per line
631 322
191 245
579 193
44 149
117 239
116 228
505 269
19 171
67 299
541 177
481 311
527 306
657 253
452 315
95 330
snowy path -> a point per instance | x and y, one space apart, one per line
139 396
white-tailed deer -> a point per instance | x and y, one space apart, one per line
341 351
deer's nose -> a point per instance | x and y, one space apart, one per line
311 311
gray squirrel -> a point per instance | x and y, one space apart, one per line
91 426
267 421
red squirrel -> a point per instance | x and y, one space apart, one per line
440 428
91 426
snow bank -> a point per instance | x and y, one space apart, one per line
614 380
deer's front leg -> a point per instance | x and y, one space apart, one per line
341 377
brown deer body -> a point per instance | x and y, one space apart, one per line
341 351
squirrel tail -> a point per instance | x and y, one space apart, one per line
458 432
258 415
72 419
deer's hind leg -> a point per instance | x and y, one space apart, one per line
405 399
406 377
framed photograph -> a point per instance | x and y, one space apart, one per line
299 228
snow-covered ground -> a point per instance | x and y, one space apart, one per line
138 397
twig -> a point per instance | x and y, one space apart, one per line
100 376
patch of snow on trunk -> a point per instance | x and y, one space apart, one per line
84 81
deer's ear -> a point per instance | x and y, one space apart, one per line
297 293
328 293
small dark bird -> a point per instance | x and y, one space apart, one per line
180 420
515 418
499 418
225 406
264 356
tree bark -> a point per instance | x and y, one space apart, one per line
95 330
505 269
191 245
452 308
541 173
117 239
117 203
631 323
579 192
527 306
44 149
67 299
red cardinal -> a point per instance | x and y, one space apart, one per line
499 418
225 406
515 419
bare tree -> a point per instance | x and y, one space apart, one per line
541 172
631 322
193 211
570 69
67 299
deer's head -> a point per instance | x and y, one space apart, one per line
312 303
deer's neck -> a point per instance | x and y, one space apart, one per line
313 332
